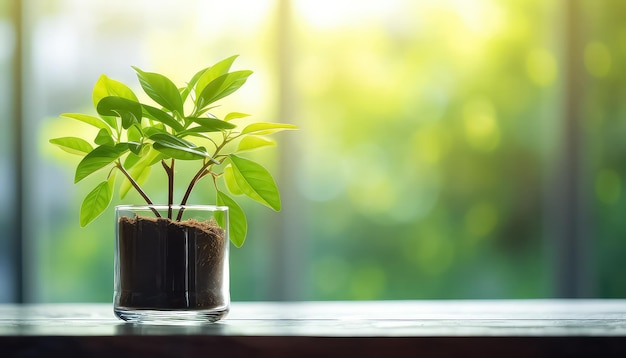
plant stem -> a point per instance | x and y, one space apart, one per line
170 186
196 178
201 173
136 186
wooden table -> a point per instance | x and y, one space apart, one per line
503 328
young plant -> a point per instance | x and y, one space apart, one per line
133 137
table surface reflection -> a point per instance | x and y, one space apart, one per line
370 328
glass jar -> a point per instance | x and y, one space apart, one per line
171 263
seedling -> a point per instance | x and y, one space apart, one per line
133 137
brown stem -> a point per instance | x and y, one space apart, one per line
196 178
201 173
139 190
170 186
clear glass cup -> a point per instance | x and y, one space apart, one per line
171 263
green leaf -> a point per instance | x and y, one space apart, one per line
135 138
91 120
134 147
130 111
131 159
235 115
98 159
106 87
192 133
111 121
178 148
212 124
199 113
238 225
161 89
104 138
184 92
231 182
163 117
72 145
255 182
252 142
177 152
96 201
134 133
221 87
213 72
263 128
196 77
170 138
152 130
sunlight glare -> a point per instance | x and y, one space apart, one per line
328 14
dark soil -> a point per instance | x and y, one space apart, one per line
165 264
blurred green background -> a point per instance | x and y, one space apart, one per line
429 155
